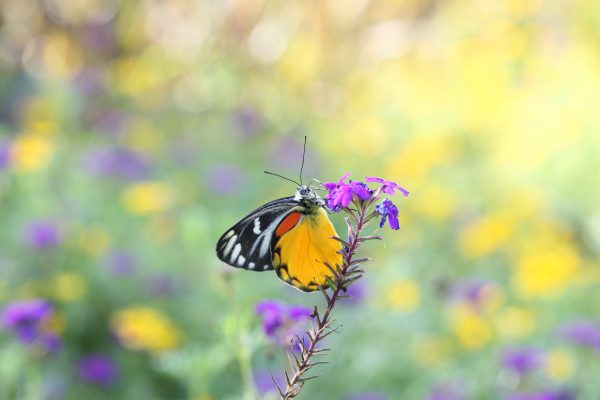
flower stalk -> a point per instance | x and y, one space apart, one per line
343 276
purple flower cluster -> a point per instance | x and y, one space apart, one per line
561 394
97 369
341 194
264 382
116 162
120 263
522 360
26 319
42 235
585 333
281 322
4 155
225 179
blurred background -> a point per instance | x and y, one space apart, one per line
134 133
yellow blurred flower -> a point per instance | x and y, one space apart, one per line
515 323
487 235
404 295
40 116
470 328
148 198
68 287
142 137
31 152
94 241
560 364
301 61
547 271
419 155
430 351
161 229
433 202
144 328
56 323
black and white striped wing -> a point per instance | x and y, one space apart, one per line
248 244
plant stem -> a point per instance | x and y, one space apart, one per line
324 322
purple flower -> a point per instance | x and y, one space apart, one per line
247 121
89 82
120 263
522 360
116 162
366 396
264 383
163 285
585 333
447 391
42 235
225 179
111 122
97 369
358 291
563 394
387 187
281 322
389 212
4 155
341 193
25 318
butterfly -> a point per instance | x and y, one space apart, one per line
291 235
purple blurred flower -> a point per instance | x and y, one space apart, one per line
447 391
25 318
225 179
366 396
387 187
522 360
42 235
357 292
341 193
281 322
285 150
99 38
563 394
468 290
97 369
111 122
585 333
389 212
89 82
116 162
120 263
163 285
247 121
264 383
4 155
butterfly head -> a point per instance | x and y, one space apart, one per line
308 197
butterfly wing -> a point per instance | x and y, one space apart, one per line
249 243
303 244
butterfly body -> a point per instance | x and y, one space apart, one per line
292 235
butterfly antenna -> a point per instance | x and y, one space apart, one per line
302 166
282 177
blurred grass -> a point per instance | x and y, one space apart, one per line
142 128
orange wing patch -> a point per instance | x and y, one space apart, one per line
288 223
303 248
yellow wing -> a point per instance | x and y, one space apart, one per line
304 244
